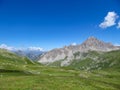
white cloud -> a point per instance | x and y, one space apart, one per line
35 48
74 44
118 25
4 46
109 20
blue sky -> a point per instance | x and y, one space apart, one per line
54 23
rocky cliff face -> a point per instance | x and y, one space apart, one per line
97 45
67 54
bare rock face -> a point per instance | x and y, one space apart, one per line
97 45
66 54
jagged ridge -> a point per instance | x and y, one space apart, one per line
66 54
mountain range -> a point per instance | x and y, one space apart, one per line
66 55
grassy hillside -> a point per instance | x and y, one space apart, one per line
19 73
10 61
97 61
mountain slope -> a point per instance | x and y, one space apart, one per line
11 61
66 54
98 61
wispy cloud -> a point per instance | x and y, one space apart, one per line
74 44
35 48
109 20
4 46
118 25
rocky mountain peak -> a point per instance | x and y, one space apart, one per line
92 44
92 40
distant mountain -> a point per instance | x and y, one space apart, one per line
67 54
31 54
